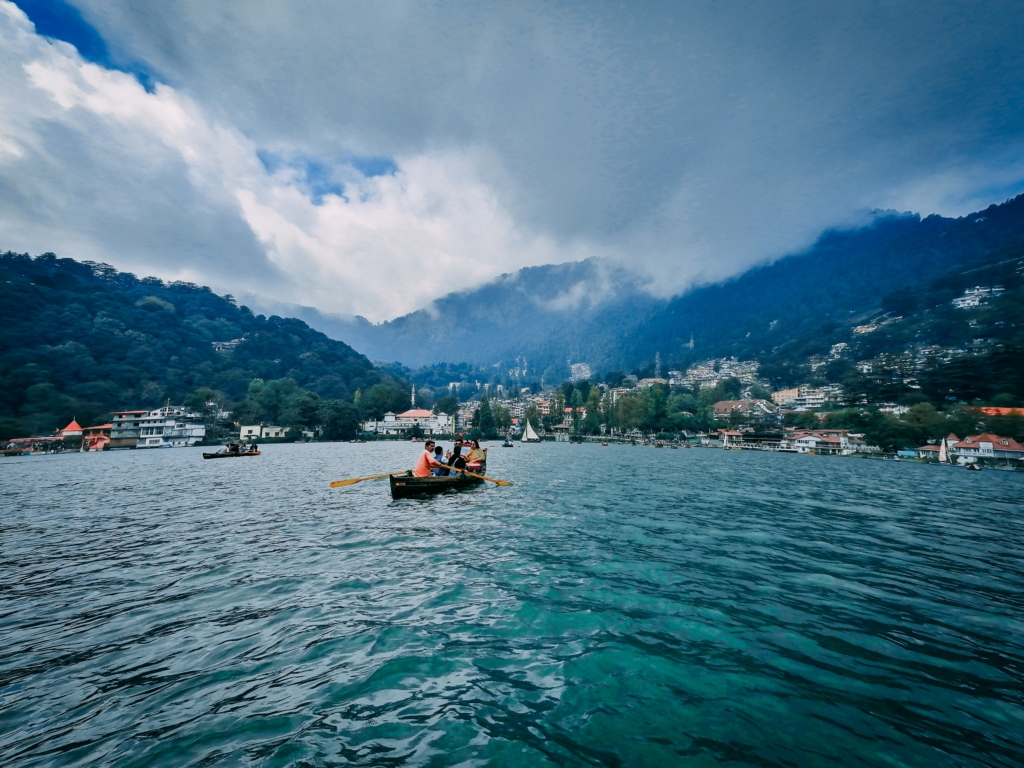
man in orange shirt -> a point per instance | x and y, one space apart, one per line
427 460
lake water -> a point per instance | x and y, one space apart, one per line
617 606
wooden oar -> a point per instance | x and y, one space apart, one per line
482 477
354 480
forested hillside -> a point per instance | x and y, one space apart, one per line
918 345
82 339
596 313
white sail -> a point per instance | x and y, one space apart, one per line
529 436
943 456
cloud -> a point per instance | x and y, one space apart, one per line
368 235
367 158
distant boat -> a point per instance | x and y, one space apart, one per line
229 454
529 436
945 460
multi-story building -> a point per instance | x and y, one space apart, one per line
785 396
809 399
125 429
173 426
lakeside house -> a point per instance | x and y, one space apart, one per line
249 433
836 442
974 447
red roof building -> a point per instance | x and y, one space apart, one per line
989 446
73 429
415 413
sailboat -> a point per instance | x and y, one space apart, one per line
945 458
529 436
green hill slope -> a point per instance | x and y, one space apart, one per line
82 339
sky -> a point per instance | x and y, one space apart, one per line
368 157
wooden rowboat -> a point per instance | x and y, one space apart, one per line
408 486
228 455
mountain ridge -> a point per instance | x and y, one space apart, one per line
550 316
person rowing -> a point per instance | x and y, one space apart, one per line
426 461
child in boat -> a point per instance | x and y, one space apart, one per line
439 457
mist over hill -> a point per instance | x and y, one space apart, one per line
596 312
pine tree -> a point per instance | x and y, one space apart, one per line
484 420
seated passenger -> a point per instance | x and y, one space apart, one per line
439 458
475 457
455 460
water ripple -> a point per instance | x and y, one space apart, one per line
617 606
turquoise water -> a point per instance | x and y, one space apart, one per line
617 606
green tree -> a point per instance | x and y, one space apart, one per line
760 392
484 420
448 404
502 419
275 397
629 411
382 398
340 420
302 409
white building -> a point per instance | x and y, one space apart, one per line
809 399
400 424
975 297
261 432
172 426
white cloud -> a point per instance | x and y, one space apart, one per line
390 244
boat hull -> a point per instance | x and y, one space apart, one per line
230 455
407 486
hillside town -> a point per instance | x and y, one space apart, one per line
804 419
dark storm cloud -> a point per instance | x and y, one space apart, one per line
691 139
